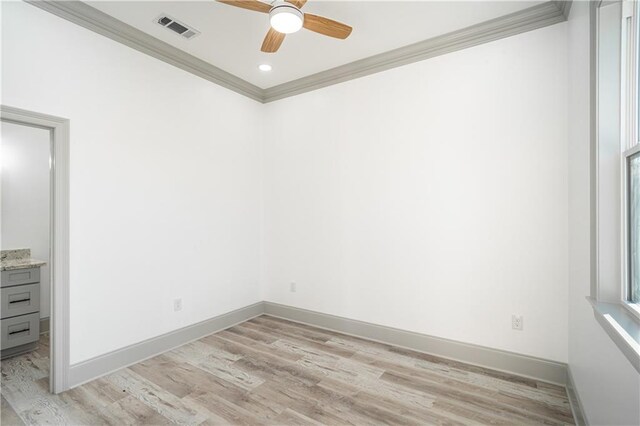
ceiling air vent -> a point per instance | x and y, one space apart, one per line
177 26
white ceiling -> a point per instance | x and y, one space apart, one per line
231 37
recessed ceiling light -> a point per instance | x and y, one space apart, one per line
285 18
264 67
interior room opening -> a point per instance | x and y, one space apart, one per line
25 243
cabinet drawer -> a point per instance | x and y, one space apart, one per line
19 300
20 276
20 330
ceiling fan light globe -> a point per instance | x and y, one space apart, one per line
286 19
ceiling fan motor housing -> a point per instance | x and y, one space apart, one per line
285 17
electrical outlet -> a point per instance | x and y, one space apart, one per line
292 287
177 305
517 322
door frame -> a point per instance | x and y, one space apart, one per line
59 237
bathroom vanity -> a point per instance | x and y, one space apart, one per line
20 302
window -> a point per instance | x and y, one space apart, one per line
615 167
633 227
630 118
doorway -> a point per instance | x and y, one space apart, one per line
35 240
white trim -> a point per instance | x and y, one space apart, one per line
574 400
628 135
542 15
621 327
624 222
538 16
59 261
564 6
608 293
495 359
606 172
594 270
104 24
99 366
633 308
628 65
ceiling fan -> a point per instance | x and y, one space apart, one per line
286 18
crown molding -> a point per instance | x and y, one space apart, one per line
564 6
542 15
532 18
108 26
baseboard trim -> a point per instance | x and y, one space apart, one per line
574 401
44 325
104 364
496 359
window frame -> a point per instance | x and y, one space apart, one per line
608 139
629 134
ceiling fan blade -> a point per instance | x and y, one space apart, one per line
272 41
254 5
297 3
326 26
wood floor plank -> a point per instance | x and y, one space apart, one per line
266 366
160 400
304 400
289 327
166 373
356 344
255 405
132 411
93 403
222 367
285 372
242 346
471 399
252 334
398 403
467 367
299 338
470 381
290 417
46 411
275 372
8 416
386 389
246 342
421 416
294 347
22 392
229 412
297 399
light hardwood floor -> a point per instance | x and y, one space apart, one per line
272 371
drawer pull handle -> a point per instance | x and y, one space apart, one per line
18 331
19 301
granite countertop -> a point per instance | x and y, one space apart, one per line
18 259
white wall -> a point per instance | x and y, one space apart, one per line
431 197
165 190
24 158
607 384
